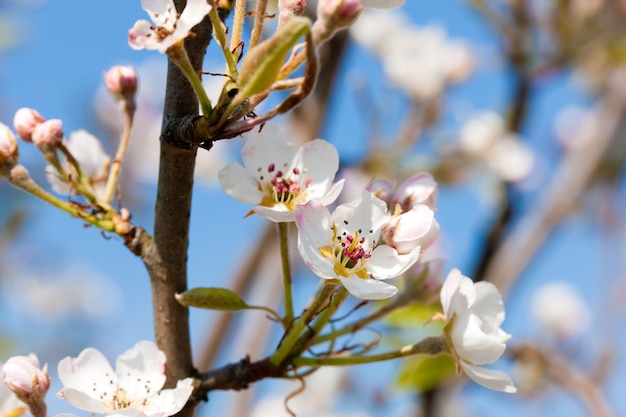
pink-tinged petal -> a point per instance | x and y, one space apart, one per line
141 370
420 188
239 184
368 289
141 36
314 224
382 4
416 227
170 401
332 194
385 262
267 147
472 344
314 233
321 162
278 213
490 378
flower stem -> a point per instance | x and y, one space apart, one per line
321 321
83 184
19 178
259 17
220 37
292 335
283 233
129 112
237 27
178 54
433 345
353 327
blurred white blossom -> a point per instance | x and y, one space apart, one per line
421 60
485 138
560 310
52 297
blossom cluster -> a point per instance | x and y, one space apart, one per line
365 242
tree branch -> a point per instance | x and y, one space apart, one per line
165 256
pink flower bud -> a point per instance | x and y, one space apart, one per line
121 81
334 15
289 8
411 229
421 188
8 150
382 189
25 121
26 379
48 134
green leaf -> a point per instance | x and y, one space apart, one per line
425 372
212 299
261 65
412 316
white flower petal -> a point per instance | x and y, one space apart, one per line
387 263
239 184
368 289
171 401
141 370
314 232
321 162
490 378
268 147
332 193
367 213
490 308
278 213
472 344
85 378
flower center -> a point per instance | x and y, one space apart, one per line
165 23
350 253
285 188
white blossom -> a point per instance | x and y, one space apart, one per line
474 313
134 389
345 246
278 177
167 27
